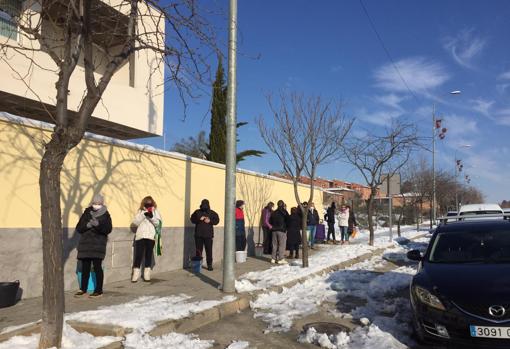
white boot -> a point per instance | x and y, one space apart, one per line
136 274
147 274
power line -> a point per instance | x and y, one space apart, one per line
372 24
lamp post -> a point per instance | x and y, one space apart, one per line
458 169
434 135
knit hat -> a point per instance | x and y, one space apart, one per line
98 199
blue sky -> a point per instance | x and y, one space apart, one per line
328 48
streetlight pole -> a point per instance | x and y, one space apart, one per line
433 164
230 170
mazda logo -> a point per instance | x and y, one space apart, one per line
497 310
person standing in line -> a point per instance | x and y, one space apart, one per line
279 219
205 219
329 217
147 220
267 228
294 233
94 226
343 223
352 223
240 226
312 221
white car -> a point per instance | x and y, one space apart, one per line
481 209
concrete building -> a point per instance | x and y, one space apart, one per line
132 105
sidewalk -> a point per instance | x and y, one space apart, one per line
203 286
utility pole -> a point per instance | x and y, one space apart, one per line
433 164
230 170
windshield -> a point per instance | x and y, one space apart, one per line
492 246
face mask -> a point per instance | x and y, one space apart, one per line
96 207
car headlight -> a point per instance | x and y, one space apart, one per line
428 298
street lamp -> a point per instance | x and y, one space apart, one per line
434 135
458 169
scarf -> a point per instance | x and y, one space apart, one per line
98 213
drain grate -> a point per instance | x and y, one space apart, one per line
329 328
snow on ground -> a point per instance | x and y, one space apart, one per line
141 315
71 340
382 310
329 256
239 345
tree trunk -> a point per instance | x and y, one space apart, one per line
52 238
304 238
370 212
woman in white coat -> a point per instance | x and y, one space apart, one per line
147 220
343 223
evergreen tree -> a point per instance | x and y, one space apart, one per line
218 135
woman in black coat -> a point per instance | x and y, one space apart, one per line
94 226
294 233
205 219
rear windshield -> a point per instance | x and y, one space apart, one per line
489 246
451 214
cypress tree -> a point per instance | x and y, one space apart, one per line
217 137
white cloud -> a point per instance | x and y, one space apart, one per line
420 75
505 76
501 88
465 47
391 100
379 118
483 106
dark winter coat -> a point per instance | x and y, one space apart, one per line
312 218
293 229
352 220
279 220
203 229
93 240
330 215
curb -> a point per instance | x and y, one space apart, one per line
197 320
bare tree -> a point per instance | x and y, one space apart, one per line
72 33
304 132
376 155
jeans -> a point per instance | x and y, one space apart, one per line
240 242
143 250
268 240
345 234
331 230
312 229
279 245
200 243
85 274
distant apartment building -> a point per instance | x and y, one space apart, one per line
335 189
132 105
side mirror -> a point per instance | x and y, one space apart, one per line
414 255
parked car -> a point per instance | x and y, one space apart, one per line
461 293
480 209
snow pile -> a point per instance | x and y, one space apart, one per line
280 309
239 345
141 315
145 312
370 337
329 256
171 340
71 339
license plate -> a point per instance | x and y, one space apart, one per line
490 332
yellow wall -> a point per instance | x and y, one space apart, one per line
125 175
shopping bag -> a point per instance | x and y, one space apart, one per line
354 232
158 246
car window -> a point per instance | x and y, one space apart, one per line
491 246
